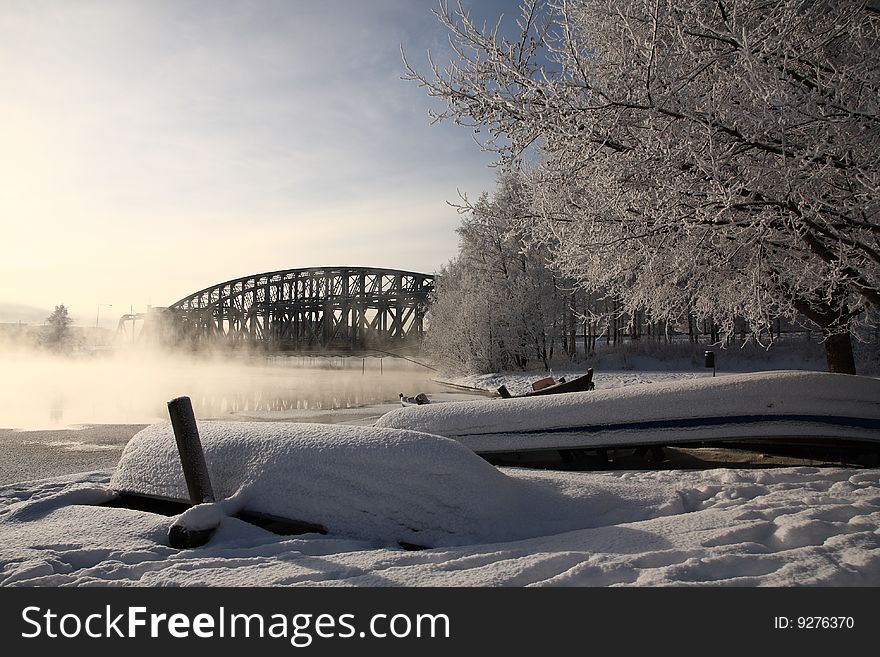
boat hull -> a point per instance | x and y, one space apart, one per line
579 384
772 405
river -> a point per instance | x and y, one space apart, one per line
61 415
38 391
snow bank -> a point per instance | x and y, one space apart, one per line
385 485
762 404
779 527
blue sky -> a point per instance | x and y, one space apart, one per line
151 148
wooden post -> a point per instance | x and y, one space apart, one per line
192 458
195 472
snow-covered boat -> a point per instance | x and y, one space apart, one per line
389 486
782 406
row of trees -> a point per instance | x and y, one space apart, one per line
500 305
493 304
715 158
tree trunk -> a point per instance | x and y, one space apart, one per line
833 318
839 353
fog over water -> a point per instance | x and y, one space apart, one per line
39 390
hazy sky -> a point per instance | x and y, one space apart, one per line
151 148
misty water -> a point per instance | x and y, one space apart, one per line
40 391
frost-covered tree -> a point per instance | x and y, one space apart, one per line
721 158
58 327
496 306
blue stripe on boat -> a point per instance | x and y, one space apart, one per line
691 422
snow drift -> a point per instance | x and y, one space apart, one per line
779 527
763 404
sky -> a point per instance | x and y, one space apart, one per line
149 149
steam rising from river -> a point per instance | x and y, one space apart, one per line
39 390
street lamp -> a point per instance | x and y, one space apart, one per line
98 315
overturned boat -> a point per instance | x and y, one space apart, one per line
836 415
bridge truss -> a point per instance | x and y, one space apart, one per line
345 309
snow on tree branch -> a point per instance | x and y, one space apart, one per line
718 156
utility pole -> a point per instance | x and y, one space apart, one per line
98 314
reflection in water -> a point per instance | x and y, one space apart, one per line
38 391
307 389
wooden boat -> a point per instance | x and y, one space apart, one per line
579 384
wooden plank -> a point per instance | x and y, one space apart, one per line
166 506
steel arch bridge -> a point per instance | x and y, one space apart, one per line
345 309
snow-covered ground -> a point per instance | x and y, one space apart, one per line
798 526
519 382
374 487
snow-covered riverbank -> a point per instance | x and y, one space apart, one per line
800 526
485 526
